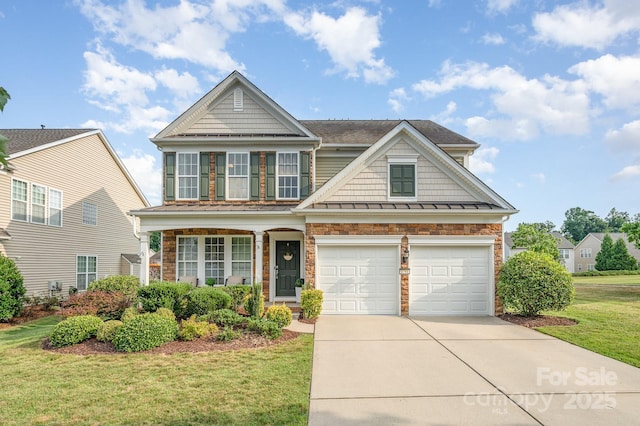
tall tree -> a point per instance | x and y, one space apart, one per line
547 226
632 229
615 220
621 259
580 222
529 236
4 97
604 258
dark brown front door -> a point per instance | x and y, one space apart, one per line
287 267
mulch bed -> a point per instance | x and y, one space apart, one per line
537 321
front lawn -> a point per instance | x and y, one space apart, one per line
265 386
609 321
608 280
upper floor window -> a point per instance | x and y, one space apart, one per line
402 176
19 200
89 213
564 253
187 175
288 175
38 204
585 253
238 176
55 207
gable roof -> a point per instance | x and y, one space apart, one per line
615 236
490 199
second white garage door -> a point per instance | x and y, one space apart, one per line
358 279
450 281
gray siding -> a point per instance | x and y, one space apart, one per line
328 167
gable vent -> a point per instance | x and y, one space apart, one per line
238 97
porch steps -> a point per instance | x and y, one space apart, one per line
295 307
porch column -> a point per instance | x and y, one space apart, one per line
259 256
144 258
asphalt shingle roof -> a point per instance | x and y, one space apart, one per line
25 139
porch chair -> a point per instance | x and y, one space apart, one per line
234 280
189 279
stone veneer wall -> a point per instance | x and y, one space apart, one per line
314 229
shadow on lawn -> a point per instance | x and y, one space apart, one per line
28 335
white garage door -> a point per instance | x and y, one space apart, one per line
450 281
358 280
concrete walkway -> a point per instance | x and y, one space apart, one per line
462 370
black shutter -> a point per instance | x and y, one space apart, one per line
170 176
221 168
270 176
204 175
254 182
305 174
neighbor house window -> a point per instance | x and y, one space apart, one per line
214 259
238 176
591 267
579 266
288 175
38 204
89 213
564 253
187 257
585 253
55 207
86 271
19 197
188 175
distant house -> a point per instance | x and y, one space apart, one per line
63 215
587 249
565 247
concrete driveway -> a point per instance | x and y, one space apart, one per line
462 370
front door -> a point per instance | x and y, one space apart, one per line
287 268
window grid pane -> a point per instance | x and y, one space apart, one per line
86 271
38 204
55 207
187 175
214 258
187 256
89 214
288 175
19 200
238 180
241 256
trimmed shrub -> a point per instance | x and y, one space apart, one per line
166 312
11 289
74 330
226 318
254 304
191 329
203 300
311 303
144 332
106 305
531 282
164 295
129 313
238 294
127 284
228 334
280 314
266 328
107 330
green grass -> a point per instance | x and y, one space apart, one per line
608 279
265 386
609 321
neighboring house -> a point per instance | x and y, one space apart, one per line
382 215
565 247
63 216
587 249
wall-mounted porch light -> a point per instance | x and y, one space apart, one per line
405 255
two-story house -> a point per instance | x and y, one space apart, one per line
587 249
63 217
382 215
566 249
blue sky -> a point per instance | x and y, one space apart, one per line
551 90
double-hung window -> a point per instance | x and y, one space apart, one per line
188 175
187 257
241 256
38 204
288 177
55 207
402 177
215 257
238 176
19 200
86 271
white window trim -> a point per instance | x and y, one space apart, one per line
83 216
26 201
86 273
61 207
228 176
297 154
178 175
45 206
228 254
397 160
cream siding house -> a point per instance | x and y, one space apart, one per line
565 247
587 249
64 216
382 215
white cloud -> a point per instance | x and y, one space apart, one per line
144 171
626 139
493 39
182 85
627 173
435 3
540 177
589 26
397 97
501 6
481 161
444 117
350 41
526 106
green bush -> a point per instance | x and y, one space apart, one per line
74 330
129 313
238 294
202 300
280 314
191 329
166 312
164 295
604 273
106 305
225 318
144 332
107 330
228 334
255 302
266 328
531 282
311 303
127 284
11 289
